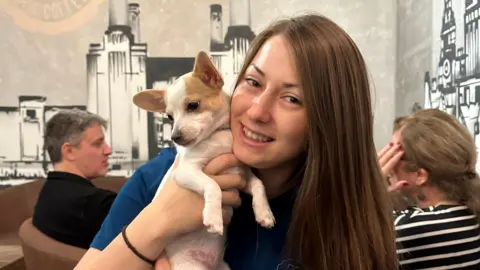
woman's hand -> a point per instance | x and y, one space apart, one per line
182 208
388 157
162 263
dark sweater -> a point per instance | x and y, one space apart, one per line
70 209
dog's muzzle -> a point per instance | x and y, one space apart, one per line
181 140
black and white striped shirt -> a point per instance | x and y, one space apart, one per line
440 237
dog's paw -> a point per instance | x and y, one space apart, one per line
266 219
264 215
213 220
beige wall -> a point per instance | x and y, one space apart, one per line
414 52
44 44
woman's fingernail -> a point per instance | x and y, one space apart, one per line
390 144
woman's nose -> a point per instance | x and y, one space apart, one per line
260 109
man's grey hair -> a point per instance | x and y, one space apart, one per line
67 126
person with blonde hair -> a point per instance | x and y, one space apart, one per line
432 161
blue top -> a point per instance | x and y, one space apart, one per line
249 245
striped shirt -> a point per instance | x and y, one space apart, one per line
440 237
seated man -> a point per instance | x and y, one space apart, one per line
70 208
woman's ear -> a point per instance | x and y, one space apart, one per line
422 177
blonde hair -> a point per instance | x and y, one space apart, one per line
438 143
398 122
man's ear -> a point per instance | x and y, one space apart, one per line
205 70
67 152
151 100
422 177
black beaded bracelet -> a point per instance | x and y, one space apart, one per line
133 249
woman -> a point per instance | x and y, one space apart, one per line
304 86
432 161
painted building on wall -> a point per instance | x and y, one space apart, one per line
22 154
120 66
455 86
229 52
116 68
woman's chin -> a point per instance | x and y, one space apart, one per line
252 160
245 156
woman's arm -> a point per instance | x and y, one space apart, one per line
134 196
148 240
174 212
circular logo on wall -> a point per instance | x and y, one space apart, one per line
446 68
50 17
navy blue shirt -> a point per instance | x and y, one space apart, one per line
249 245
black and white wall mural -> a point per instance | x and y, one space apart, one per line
453 84
118 65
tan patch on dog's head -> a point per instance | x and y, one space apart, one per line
210 99
204 84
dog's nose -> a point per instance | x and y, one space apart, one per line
177 137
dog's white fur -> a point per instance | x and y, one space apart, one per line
208 135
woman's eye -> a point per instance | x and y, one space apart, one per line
293 100
170 117
252 82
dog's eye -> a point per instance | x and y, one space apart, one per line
193 106
170 117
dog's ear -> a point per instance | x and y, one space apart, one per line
207 72
150 100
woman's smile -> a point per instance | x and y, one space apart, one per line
254 139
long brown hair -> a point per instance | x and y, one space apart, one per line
342 218
438 143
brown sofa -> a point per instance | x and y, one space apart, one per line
44 253
17 204
40 251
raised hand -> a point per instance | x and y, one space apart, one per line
388 157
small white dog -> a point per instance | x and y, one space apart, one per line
200 110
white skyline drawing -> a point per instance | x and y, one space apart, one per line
454 86
118 67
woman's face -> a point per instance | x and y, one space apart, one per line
268 116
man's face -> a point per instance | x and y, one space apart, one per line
90 156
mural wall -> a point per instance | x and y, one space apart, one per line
453 84
118 65
95 54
